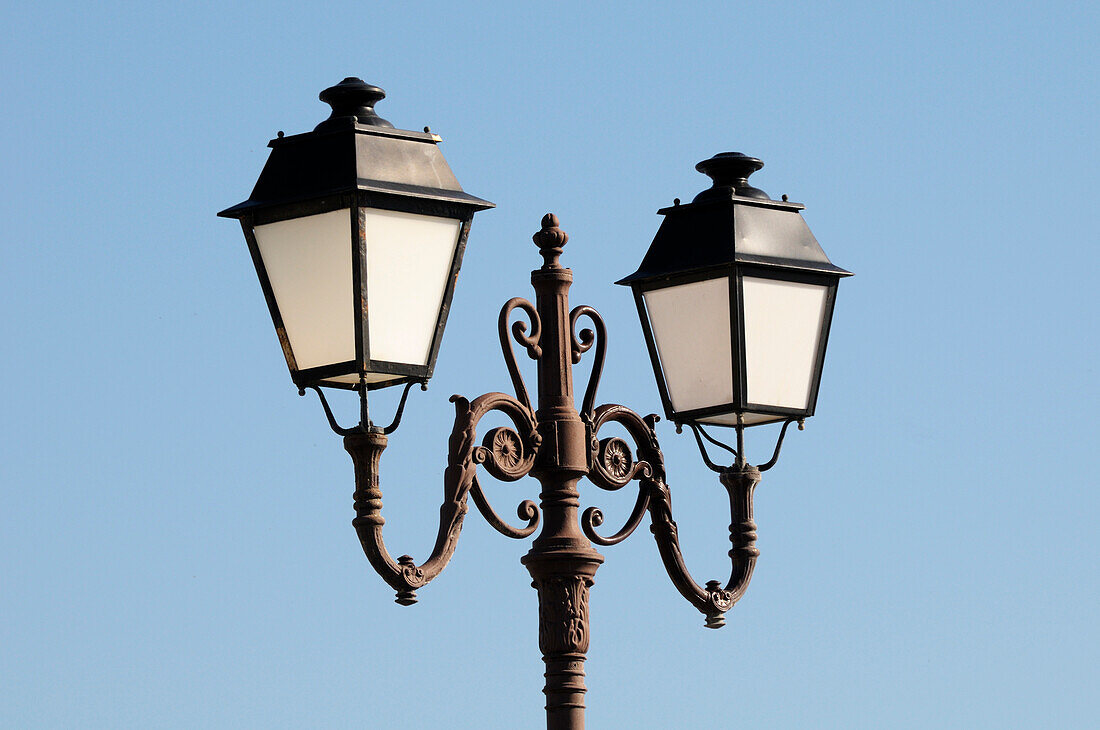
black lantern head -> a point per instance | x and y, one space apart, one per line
735 296
357 231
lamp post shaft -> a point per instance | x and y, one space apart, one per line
562 561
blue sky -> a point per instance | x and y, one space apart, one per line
176 521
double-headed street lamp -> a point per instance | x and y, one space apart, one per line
357 232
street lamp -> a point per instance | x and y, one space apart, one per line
735 297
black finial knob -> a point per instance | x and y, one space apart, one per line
730 172
355 99
551 240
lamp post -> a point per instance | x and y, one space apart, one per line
735 297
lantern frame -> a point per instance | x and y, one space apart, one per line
358 162
698 242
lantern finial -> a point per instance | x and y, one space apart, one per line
353 99
730 172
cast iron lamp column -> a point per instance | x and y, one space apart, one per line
561 561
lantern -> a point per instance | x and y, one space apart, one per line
357 231
735 296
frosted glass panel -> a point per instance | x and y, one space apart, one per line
782 329
408 265
308 261
691 325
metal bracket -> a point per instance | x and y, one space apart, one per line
365 425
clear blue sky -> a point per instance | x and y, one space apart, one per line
175 521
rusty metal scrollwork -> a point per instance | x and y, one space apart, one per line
508 457
613 467
530 342
503 454
459 482
527 510
582 343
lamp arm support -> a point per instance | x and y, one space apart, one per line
712 600
613 467
506 454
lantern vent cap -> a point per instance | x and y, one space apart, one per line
730 172
354 99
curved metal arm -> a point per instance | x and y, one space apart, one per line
401 406
700 434
696 430
336 427
364 421
779 443
459 479
712 600
527 510
740 481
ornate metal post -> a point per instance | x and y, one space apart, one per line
561 561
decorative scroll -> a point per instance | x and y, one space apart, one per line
527 510
593 518
582 344
529 342
613 467
503 454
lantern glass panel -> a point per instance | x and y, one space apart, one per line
409 260
691 328
783 323
308 262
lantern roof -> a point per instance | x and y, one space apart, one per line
355 150
731 223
